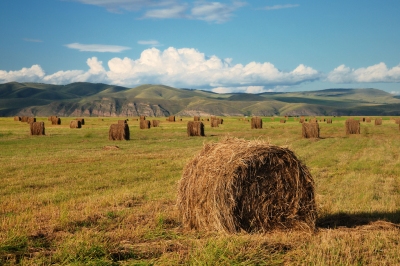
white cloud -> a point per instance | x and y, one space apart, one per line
214 11
101 48
33 74
177 11
372 74
152 43
276 7
128 5
395 92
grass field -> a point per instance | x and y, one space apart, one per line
73 197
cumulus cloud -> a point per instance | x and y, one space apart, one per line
33 74
372 74
275 7
101 48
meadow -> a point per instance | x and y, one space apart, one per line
73 197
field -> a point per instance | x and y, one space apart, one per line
73 197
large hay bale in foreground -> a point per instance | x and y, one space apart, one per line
17 118
195 128
301 120
118 132
237 185
352 126
378 121
145 124
82 120
142 117
310 130
75 124
256 122
37 128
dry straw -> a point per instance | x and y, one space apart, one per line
378 121
118 132
329 120
397 120
156 123
24 119
142 117
195 128
352 126
171 118
17 118
313 120
237 185
37 128
82 120
196 118
256 122
301 120
283 121
75 124
31 120
145 124
368 119
214 123
310 130
122 121
55 120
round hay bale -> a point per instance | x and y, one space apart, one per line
237 185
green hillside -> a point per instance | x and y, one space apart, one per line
96 99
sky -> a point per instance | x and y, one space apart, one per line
221 46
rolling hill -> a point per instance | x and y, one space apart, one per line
89 99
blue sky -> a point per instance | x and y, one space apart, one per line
222 46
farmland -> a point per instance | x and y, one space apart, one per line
74 197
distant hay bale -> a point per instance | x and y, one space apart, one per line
75 124
378 121
24 119
82 120
256 122
37 128
142 117
55 120
282 121
368 119
397 121
119 132
237 185
196 118
156 123
363 119
313 120
145 124
301 120
310 130
122 121
214 123
31 120
195 128
17 118
329 120
352 126
171 118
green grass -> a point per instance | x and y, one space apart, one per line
73 197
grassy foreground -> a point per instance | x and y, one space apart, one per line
73 197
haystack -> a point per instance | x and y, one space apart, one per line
142 117
352 126
195 128
196 118
37 128
156 123
237 185
82 120
17 118
118 132
329 120
397 120
282 121
171 118
214 123
256 122
310 130
301 120
24 119
122 121
378 121
55 120
145 124
31 120
313 120
368 119
75 124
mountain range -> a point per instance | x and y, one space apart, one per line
90 99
